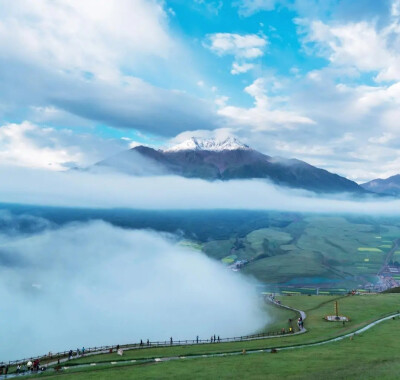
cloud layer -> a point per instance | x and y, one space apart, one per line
87 59
108 189
94 284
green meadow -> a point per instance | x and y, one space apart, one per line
370 355
312 251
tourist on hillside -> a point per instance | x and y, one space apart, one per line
70 354
83 351
18 368
29 365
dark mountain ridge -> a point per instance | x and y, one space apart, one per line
233 160
388 186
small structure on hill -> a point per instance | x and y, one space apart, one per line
336 317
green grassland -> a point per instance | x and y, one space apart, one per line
361 309
319 251
373 354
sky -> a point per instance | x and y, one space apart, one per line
318 80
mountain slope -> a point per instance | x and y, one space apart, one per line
388 186
230 159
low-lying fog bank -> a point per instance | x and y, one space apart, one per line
91 284
86 189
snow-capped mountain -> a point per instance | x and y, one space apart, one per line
224 160
212 145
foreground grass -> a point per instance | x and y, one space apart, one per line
372 355
361 309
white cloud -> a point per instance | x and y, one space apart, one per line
221 101
263 115
246 46
111 190
395 10
358 44
78 59
238 68
29 145
94 284
84 36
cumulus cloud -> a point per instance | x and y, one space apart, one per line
77 36
30 145
360 45
94 284
243 47
264 115
86 59
238 68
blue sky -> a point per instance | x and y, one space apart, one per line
311 79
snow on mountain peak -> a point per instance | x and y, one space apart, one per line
194 143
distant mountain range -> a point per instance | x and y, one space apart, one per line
211 159
388 186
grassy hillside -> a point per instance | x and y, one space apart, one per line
373 354
314 252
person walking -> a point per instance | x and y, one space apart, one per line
29 365
18 368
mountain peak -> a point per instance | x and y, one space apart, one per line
194 143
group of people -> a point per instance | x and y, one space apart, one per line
78 353
30 366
